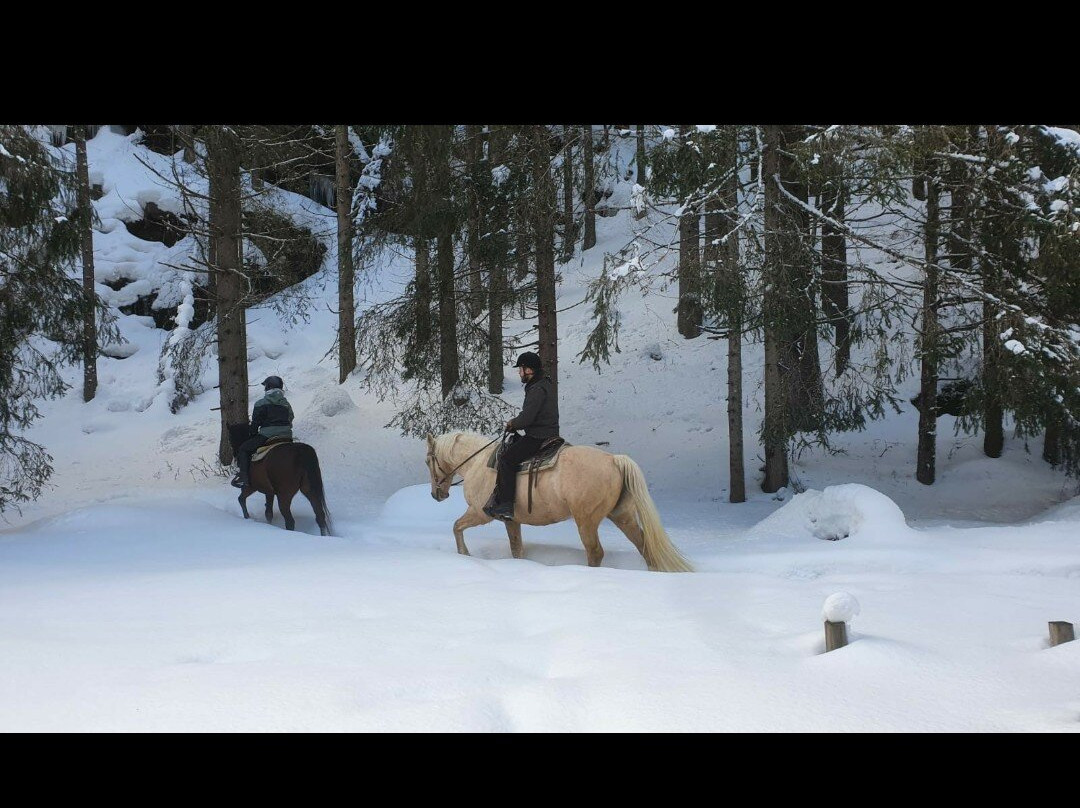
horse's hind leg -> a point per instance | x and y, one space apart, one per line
320 516
284 500
269 507
590 538
627 522
316 505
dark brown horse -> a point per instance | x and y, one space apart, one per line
287 469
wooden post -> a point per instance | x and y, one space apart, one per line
1060 632
835 635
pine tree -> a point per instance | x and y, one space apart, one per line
41 230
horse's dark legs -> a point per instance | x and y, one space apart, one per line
269 507
316 505
285 506
242 499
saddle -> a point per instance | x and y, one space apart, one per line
264 450
545 458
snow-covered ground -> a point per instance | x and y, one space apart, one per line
134 597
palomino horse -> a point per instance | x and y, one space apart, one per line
587 484
288 468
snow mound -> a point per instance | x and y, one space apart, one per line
331 401
1068 511
414 505
836 513
840 607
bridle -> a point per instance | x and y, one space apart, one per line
442 480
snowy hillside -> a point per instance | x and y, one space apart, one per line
138 599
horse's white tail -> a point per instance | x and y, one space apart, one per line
660 552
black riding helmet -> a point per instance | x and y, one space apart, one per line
272 382
529 360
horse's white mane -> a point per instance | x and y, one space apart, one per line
443 443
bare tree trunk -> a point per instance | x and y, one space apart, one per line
569 236
805 386
495 328
186 134
448 347
86 235
775 428
415 144
689 310
223 147
960 213
346 275
1002 250
589 191
642 172
544 238
423 291
929 340
731 275
473 155
438 155
496 283
993 411
834 297
689 317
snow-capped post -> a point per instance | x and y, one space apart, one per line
1061 631
839 610
835 635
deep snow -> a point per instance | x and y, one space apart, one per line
133 597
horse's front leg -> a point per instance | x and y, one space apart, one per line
471 518
242 499
513 532
269 507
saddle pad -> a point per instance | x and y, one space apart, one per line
547 462
264 450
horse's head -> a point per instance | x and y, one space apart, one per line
440 478
238 433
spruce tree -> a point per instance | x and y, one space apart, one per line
42 299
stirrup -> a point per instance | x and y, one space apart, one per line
505 512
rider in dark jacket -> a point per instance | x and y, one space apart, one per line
272 416
539 418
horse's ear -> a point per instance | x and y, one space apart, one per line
430 441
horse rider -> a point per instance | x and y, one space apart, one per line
539 418
272 416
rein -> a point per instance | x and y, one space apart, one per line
450 476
